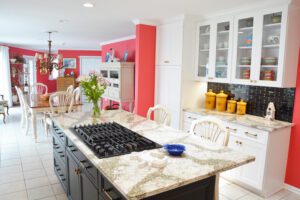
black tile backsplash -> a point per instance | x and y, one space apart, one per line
258 98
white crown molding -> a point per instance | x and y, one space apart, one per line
145 22
292 188
118 40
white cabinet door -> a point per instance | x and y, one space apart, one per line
169 40
204 58
168 89
272 28
222 50
252 173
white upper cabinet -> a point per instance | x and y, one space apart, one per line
214 50
169 44
263 50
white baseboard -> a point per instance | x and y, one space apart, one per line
292 188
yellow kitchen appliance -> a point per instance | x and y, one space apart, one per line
221 101
241 107
231 106
210 101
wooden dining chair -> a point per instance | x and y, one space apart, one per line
38 88
161 114
70 89
60 102
211 129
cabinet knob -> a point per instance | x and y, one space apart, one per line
77 171
210 78
166 61
193 118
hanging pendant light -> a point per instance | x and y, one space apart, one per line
46 61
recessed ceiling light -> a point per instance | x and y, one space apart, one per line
88 5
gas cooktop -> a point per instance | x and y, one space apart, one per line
112 139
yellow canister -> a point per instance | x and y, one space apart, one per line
231 106
241 107
221 101
210 101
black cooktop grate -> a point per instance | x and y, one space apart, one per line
112 139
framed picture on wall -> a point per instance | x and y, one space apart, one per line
69 63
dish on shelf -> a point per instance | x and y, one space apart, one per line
245 61
273 39
268 75
269 61
13 60
246 74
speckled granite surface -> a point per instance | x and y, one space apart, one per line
245 120
147 173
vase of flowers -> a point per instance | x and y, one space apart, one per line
93 87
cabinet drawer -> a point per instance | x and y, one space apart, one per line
59 133
85 164
60 170
107 191
59 148
190 117
248 133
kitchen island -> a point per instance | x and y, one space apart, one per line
138 175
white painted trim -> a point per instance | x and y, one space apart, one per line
292 188
145 22
118 40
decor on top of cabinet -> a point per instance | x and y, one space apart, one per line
270 111
221 101
231 106
241 107
210 101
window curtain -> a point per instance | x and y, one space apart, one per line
5 81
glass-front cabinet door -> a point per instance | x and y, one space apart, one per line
222 55
243 50
203 51
271 49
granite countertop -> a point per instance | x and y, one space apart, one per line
142 174
245 120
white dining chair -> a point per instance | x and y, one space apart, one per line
76 94
25 109
70 89
60 102
211 129
38 88
161 114
22 106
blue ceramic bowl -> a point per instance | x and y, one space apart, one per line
174 149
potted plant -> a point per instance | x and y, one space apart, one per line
93 87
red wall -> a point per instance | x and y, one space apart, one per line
144 68
293 165
120 48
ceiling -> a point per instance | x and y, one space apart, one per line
23 23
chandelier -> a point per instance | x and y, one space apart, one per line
49 61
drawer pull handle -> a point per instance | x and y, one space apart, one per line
251 134
193 118
231 129
85 166
106 192
166 61
238 142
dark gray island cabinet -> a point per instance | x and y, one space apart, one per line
81 180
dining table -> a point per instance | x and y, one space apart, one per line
38 104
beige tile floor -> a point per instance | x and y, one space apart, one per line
26 168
